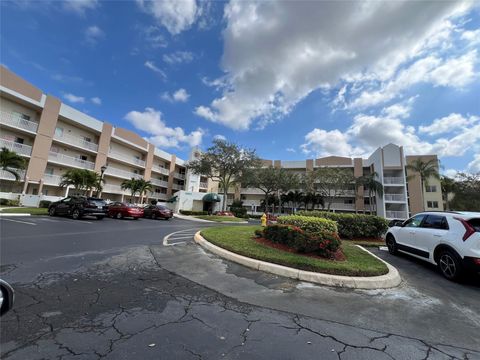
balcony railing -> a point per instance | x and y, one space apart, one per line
76 141
393 180
127 158
122 173
70 160
177 187
160 170
396 214
179 176
17 121
394 197
159 196
203 185
20 149
51 179
114 189
5 175
159 182
340 206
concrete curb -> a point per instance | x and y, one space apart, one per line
13 214
389 280
191 218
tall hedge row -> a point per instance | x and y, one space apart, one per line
352 226
312 225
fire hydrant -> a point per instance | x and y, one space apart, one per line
264 219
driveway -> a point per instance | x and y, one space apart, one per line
116 289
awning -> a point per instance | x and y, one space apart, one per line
172 199
211 197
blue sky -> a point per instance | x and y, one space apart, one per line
294 80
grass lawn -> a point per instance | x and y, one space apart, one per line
238 239
366 243
26 210
219 218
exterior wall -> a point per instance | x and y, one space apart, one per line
9 106
149 162
130 136
12 81
103 146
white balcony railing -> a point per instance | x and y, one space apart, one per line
158 182
5 175
393 180
340 206
177 187
160 170
203 185
396 214
127 158
179 176
51 179
159 196
20 149
17 121
114 189
122 173
76 141
394 197
70 160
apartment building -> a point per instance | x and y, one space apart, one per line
54 137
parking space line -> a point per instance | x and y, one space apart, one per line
178 235
19 221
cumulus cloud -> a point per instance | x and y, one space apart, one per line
151 122
178 57
277 53
181 95
151 65
96 100
323 143
74 99
80 6
448 124
93 34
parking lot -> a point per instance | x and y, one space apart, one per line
143 289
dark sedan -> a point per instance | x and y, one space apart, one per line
157 212
120 210
78 207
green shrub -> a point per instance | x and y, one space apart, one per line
4 201
14 203
237 209
353 226
189 212
312 225
44 204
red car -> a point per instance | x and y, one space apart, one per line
120 210
157 212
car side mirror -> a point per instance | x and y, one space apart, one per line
7 297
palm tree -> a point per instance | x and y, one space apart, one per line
98 186
144 186
133 185
426 170
11 162
449 186
80 179
296 198
374 187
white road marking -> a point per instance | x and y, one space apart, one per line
18 221
383 248
178 235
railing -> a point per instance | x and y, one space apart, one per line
393 180
396 214
340 206
203 185
70 160
159 182
394 197
127 158
179 176
17 121
51 179
160 170
177 187
122 173
115 189
76 141
160 196
5 175
20 149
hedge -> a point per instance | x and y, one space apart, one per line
8 202
312 225
188 212
353 226
44 204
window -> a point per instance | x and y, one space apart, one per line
59 131
348 201
414 221
435 222
22 116
49 171
87 139
83 157
19 140
432 204
431 188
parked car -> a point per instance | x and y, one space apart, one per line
78 207
7 297
450 240
396 222
120 210
157 212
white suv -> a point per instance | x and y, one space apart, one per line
450 240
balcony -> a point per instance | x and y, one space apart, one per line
396 214
126 158
122 173
394 197
158 182
160 170
50 179
159 196
177 187
113 189
340 206
203 185
70 160
179 176
393 181
76 141
16 121
5 175
20 149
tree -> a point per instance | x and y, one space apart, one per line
373 186
425 170
144 186
98 186
332 183
133 185
80 179
314 199
225 163
467 192
11 162
295 198
449 186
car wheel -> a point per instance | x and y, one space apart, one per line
100 217
391 244
51 211
76 215
119 215
450 265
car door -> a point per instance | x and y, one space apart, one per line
147 211
406 235
431 232
62 206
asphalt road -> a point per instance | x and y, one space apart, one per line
115 289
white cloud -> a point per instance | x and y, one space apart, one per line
472 36
80 6
96 100
178 57
151 65
74 98
451 173
324 143
448 124
456 72
277 53
292 150
220 137
152 123
93 34
154 37
175 15
474 165
181 95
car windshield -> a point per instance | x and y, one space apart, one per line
98 202
161 207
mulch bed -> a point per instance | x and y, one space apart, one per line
337 256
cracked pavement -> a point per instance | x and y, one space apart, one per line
120 300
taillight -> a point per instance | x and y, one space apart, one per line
469 229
